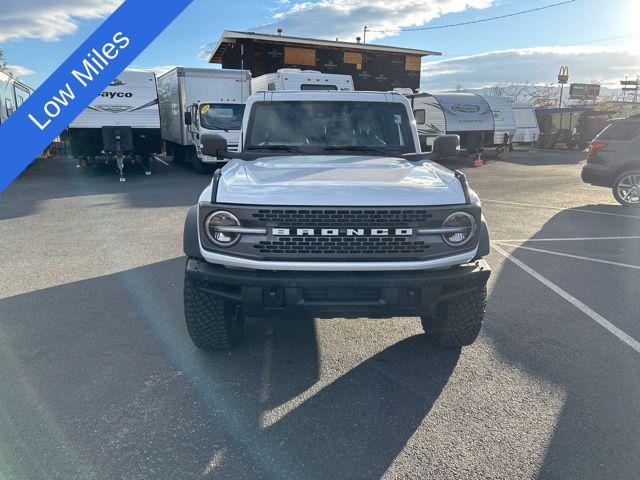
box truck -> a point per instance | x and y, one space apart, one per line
121 125
12 94
296 79
194 100
464 114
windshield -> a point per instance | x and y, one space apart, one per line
221 116
313 126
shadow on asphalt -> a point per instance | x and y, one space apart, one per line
537 158
596 434
106 384
55 178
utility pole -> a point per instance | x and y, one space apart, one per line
364 35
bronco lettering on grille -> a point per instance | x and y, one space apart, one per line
342 232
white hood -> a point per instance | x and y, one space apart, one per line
337 180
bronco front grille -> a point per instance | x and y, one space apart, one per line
336 218
340 246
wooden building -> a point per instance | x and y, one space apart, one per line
373 67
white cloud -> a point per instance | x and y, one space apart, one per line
346 19
531 65
49 19
19 71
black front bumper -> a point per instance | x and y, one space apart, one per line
344 294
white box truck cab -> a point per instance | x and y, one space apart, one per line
330 208
195 100
13 93
296 79
504 119
121 125
464 114
527 131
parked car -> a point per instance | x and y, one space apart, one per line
614 160
329 207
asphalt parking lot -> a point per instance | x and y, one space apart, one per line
98 378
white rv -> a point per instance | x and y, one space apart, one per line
528 131
295 79
504 119
193 100
12 94
121 124
464 114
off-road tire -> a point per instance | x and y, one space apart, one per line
614 188
457 323
213 323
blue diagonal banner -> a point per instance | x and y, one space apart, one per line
79 80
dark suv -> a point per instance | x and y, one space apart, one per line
614 160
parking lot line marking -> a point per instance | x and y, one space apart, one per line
577 257
595 316
569 209
570 239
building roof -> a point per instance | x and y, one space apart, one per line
229 37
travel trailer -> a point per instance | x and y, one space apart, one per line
13 93
527 130
464 114
194 100
295 79
504 120
121 125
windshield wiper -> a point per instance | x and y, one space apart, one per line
215 127
356 148
287 148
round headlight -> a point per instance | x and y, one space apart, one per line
463 227
216 227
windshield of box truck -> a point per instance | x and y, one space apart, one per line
320 126
221 116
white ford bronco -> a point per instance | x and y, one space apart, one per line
329 207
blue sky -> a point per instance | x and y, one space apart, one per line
37 35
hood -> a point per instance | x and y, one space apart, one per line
338 180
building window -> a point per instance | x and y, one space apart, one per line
413 63
299 56
271 86
354 58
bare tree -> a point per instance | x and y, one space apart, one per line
3 63
517 92
544 96
459 88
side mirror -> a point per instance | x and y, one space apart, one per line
213 145
187 118
446 146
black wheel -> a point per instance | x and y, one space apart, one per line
196 163
213 323
458 322
626 188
